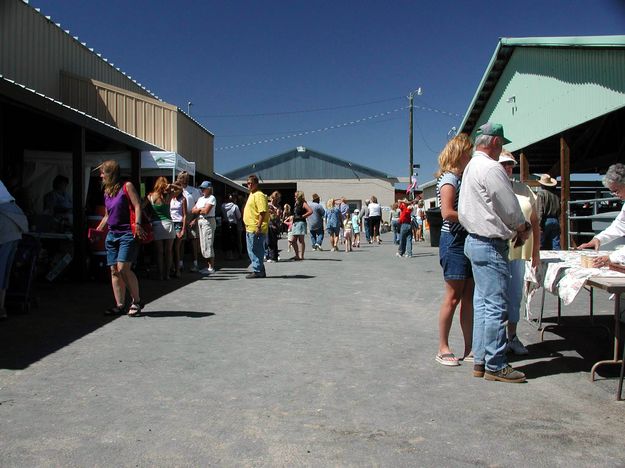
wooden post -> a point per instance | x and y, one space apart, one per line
524 169
135 168
565 192
80 226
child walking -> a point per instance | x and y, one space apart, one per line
347 234
356 228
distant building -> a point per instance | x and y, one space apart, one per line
313 172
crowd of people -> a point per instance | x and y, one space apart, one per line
493 228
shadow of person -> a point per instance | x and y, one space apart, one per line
175 313
291 277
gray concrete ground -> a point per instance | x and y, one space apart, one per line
327 362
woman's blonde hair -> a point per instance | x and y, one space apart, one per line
111 181
286 209
160 185
299 197
330 203
449 159
275 196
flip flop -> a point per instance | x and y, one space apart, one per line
447 359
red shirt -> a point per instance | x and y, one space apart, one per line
404 215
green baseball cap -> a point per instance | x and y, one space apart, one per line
492 129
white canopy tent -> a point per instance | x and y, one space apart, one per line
154 163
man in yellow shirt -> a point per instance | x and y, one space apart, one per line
256 219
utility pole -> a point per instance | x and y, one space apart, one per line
411 108
189 104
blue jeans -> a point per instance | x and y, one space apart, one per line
256 250
405 239
491 272
395 229
550 237
367 228
316 237
515 290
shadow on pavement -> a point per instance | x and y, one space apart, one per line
66 312
573 346
175 313
290 277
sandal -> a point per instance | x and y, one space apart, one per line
135 309
447 359
117 310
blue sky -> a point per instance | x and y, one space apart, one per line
339 61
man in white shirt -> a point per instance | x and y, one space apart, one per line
192 195
490 212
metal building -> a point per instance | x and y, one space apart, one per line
561 101
63 106
310 171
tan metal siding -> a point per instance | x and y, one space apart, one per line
140 116
194 143
33 50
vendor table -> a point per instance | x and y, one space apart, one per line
561 273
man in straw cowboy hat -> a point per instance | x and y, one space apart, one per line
548 213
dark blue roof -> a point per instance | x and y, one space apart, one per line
305 163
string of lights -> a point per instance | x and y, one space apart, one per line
334 127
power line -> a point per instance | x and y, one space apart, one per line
286 132
302 111
336 126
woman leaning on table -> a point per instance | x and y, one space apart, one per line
614 180
122 246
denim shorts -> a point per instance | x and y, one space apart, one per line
456 265
121 247
333 230
299 228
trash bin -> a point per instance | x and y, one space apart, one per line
435 221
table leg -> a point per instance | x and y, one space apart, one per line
617 343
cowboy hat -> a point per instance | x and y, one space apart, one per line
547 180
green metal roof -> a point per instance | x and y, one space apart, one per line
543 89
504 51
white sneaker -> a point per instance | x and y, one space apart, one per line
319 248
397 254
211 270
515 346
407 256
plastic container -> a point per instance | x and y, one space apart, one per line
435 221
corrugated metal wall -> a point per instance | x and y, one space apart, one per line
141 116
33 51
544 91
38 54
194 143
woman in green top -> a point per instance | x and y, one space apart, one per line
163 227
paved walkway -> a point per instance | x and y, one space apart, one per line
327 362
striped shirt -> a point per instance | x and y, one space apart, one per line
455 181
